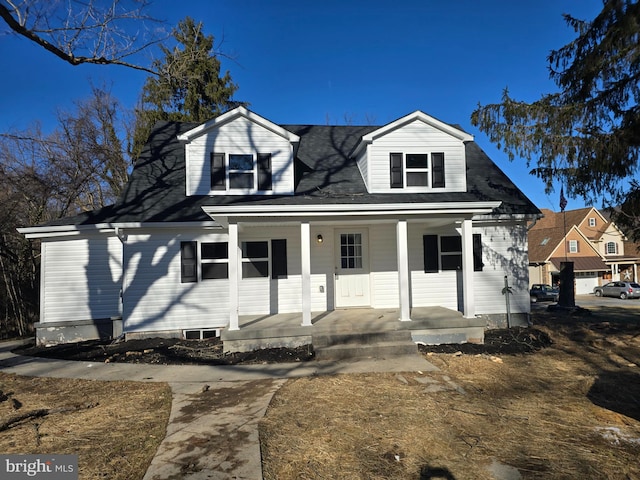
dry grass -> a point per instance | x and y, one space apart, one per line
569 411
115 438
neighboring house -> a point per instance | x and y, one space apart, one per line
241 217
598 249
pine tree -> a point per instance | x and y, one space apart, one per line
189 86
586 135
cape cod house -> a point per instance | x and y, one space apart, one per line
236 222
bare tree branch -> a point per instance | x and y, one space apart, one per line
85 32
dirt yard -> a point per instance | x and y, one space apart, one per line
557 401
570 410
114 427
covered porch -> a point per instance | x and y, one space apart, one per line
357 326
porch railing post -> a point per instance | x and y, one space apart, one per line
233 276
403 270
305 239
467 270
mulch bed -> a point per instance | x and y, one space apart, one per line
165 351
517 340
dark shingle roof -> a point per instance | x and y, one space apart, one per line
324 172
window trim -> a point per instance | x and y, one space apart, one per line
573 246
213 261
592 221
399 171
615 248
433 261
276 259
221 172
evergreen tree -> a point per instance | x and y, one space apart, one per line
586 135
189 86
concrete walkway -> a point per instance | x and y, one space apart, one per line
213 426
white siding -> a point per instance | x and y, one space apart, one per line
416 137
363 166
504 252
241 136
431 289
384 264
266 295
81 278
322 269
154 298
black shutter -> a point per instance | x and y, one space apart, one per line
278 259
264 172
395 160
218 172
477 252
437 166
188 262
430 250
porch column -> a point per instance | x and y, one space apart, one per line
468 287
635 272
403 269
233 276
305 248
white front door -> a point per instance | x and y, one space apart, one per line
352 268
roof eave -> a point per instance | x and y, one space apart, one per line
417 115
232 115
463 208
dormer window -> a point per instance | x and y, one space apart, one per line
412 170
244 172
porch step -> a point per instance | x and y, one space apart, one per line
361 338
356 350
340 346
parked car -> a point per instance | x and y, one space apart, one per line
543 293
618 289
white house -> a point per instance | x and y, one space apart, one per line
241 217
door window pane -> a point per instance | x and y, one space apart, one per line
351 250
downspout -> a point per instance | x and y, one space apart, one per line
535 220
118 331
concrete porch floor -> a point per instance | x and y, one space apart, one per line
430 325
359 319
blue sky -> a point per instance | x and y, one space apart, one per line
337 61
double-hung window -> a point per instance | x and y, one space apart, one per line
214 261
259 258
241 172
417 165
445 253
255 259
214 258
246 172
258 255
573 246
421 170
